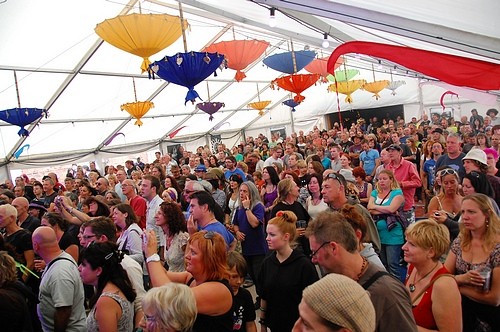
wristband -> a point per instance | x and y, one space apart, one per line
153 258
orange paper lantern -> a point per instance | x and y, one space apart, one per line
239 53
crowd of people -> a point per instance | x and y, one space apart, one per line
323 225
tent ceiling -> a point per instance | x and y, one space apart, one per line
63 66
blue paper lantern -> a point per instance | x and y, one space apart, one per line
22 117
188 69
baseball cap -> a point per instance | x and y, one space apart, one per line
200 168
341 301
394 147
438 130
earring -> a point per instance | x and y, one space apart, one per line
487 223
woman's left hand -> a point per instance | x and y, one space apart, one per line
149 243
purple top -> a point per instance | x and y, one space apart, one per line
255 238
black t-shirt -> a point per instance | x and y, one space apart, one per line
243 310
47 200
21 241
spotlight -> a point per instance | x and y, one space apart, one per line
379 67
272 18
325 43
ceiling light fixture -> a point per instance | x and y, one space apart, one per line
325 43
272 17
379 67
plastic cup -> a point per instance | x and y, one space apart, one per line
486 275
301 224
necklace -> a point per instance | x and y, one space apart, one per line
412 285
363 268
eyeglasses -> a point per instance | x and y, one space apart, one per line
315 252
87 237
447 171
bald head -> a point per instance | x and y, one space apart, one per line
45 242
21 204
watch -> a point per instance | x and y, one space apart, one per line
153 258
246 209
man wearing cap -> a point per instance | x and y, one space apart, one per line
453 156
333 190
437 135
476 160
24 219
200 171
396 141
335 249
405 172
335 300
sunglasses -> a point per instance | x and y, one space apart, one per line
337 177
447 171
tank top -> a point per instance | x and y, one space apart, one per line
423 310
126 321
220 323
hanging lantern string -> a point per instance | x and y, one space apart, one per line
17 90
234 36
373 71
135 91
208 91
258 92
140 8
181 15
294 61
390 71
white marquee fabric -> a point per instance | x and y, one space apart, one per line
64 67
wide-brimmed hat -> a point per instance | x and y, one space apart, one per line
478 155
37 204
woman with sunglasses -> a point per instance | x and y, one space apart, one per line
474 259
387 198
171 220
283 276
206 274
111 306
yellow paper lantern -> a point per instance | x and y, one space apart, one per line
137 110
141 34
346 88
260 105
376 87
